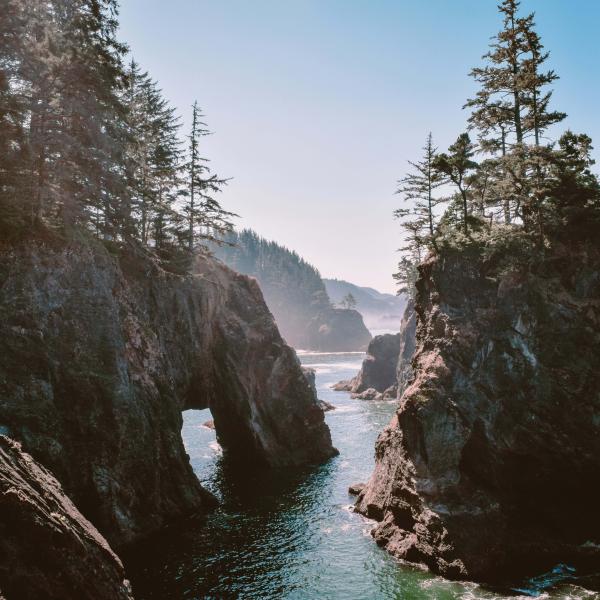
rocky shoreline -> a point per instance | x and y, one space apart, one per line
486 472
102 354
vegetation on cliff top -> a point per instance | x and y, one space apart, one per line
515 187
88 142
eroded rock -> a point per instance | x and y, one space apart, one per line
488 469
100 357
48 549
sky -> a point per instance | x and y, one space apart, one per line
317 105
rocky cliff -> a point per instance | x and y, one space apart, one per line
295 294
47 548
408 333
100 355
336 330
377 375
489 468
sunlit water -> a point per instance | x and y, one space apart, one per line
292 533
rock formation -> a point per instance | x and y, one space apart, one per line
102 354
336 330
295 294
311 377
489 468
377 376
379 310
408 332
48 549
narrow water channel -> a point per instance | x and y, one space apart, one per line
292 533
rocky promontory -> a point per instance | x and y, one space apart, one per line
102 353
337 330
48 549
377 376
488 470
296 295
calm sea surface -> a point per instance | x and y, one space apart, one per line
292 533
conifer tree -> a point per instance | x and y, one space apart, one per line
154 158
534 81
418 188
497 106
456 167
206 218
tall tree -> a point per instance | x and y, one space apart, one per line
206 217
456 166
497 106
534 81
418 188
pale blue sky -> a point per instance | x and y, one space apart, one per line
317 105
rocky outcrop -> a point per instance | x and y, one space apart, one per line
408 332
311 377
377 376
295 294
489 468
100 355
337 330
48 549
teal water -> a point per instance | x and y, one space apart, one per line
291 533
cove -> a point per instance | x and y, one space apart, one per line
291 533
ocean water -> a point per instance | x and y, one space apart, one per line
292 533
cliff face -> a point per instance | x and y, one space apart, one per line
99 358
47 548
336 330
408 333
489 469
377 375
295 294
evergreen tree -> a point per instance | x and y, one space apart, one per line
206 218
154 159
456 167
538 117
418 188
349 302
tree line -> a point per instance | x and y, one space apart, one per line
510 176
87 138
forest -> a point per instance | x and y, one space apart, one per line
509 182
89 142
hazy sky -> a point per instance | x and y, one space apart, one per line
317 105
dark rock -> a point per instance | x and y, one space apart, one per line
488 470
391 393
48 549
337 330
378 371
311 377
369 394
325 406
102 354
356 488
343 386
408 331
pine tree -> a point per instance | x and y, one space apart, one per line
456 167
536 100
497 106
207 220
418 187
154 159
